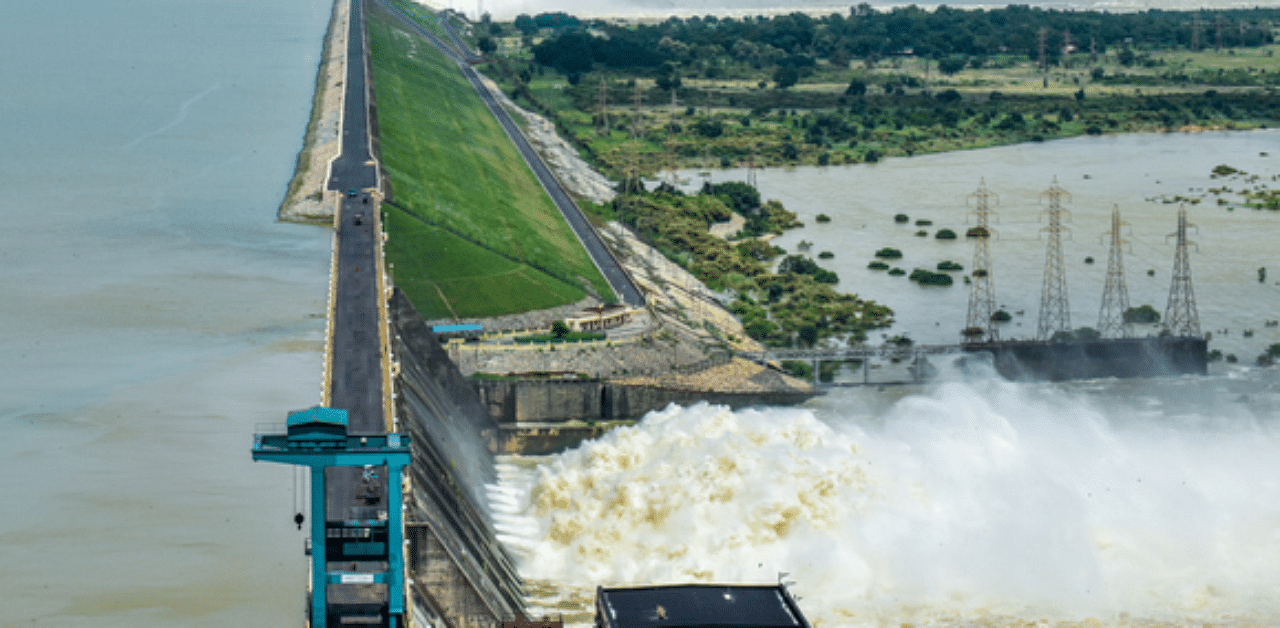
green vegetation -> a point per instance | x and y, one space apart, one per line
922 234
822 218
889 253
826 255
795 305
878 265
896 272
1001 316
872 84
945 234
471 232
901 218
924 223
1143 314
949 265
929 278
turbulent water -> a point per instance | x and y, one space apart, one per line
975 502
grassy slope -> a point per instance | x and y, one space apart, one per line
483 230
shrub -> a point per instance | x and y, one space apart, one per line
889 253
901 218
826 255
930 278
878 265
897 272
945 234
822 218
977 232
559 329
949 265
922 234
1001 316
924 222
1141 314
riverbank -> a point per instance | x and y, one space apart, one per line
307 200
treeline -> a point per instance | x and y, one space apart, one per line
796 40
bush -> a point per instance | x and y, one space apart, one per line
1001 316
922 234
888 253
1143 314
923 222
822 218
945 234
878 265
949 265
977 232
897 272
559 329
930 278
826 255
901 218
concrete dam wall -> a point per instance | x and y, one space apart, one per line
461 574
551 400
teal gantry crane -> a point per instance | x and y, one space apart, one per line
357 557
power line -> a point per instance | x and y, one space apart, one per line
1055 313
1115 294
1180 315
982 299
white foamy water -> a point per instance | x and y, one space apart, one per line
980 503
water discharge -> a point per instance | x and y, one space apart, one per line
972 503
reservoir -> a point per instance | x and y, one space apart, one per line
153 310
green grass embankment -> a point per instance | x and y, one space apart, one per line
473 233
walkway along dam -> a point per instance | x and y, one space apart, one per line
398 450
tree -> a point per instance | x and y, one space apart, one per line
559 329
1141 314
486 45
951 65
786 76
857 87
525 24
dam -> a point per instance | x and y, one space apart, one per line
399 529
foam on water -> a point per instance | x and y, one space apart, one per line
974 504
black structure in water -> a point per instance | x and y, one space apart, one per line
1089 359
698 605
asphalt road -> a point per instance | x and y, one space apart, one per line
356 385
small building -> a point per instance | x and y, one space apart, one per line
698 606
599 318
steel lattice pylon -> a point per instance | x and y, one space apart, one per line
1115 295
982 297
1180 316
1055 313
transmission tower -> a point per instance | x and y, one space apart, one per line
602 115
671 143
1066 48
1180 316
1044 62
633 169
1055 313
982 297
1115 295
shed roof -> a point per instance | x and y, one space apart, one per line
698 606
